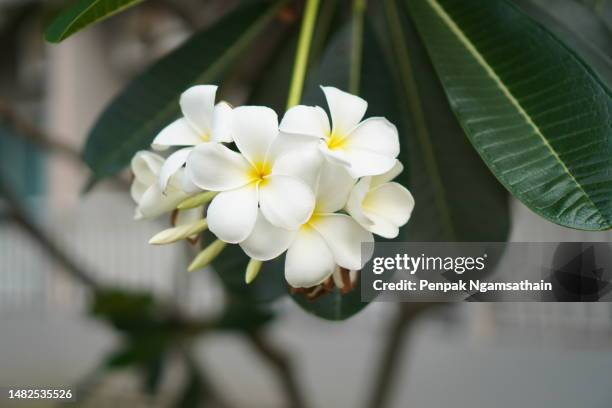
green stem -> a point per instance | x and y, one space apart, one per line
359 7
301 55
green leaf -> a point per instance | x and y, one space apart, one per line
536 114
83 14
457 197
579 28
150 101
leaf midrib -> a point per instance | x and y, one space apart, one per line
471 48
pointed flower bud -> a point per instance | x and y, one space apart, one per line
197 200
252 270
207 255
171 235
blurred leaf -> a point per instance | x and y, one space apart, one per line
83 14
150 101
457 197
127 311
138 350
243 315
541 123
272 88
579 28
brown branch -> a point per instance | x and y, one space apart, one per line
282 365
393 351
40 236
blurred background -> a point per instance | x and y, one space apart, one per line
459 355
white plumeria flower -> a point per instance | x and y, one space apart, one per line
145 190
202 122
261 175
381 206
367 148
322 243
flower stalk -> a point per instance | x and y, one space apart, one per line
359 7
301 56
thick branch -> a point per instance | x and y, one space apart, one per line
282 365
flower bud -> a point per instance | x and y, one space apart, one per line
207 255
177 233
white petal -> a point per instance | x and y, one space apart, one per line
137 190
172 164
286 201
365 163
306 120
154 203
214 167
346 110
146 167
185 184
309 260
254 130
372 147
334 187
395 171
222 123
389 206
355 202
197 104
178 133
303 164
335 156
344 237
186 217
266 241
231 215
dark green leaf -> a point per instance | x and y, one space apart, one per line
580 29
536 114
150 101
83 14
457 198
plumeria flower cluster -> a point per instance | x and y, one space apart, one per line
308 187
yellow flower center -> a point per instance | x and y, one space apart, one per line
205 137
336 141
259 173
